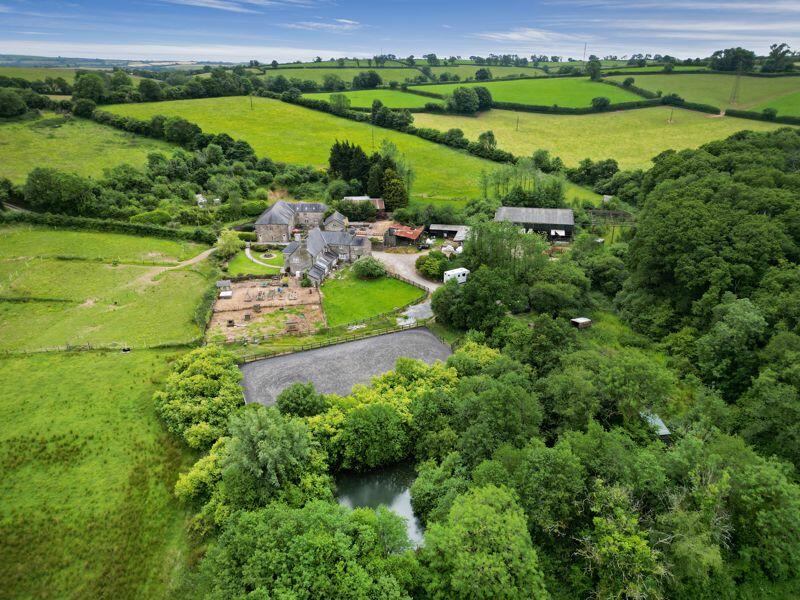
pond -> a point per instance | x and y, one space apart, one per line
389 486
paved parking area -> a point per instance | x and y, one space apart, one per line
336 369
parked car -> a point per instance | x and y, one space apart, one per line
423 246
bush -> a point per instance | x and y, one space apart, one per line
201 393
11 103
368 268
600 102
247 236
83 107
301 400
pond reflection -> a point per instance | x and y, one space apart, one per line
389 486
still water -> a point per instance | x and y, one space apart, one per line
389 486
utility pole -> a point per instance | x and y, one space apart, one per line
584 50
517 122
251 101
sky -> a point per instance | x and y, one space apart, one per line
285 30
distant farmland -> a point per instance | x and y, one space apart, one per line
40 73
632 137
390 98
346 74
563 91
716 89
465 71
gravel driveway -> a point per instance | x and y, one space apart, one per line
403 264
336 369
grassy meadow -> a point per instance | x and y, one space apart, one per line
465 71
715 88
294 134
346 298
43 242
597 136
318 74
38 73
70 144
86 504
390 98
788 105
573 92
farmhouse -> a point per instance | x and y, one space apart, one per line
279 222
336 222
558 224
322 250
401 235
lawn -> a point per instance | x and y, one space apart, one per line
38 73
562 91
715 89
347 299
318 74
632 137
390 98
69 144
241 265
28 241
86 504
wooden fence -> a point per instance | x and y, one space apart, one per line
329 342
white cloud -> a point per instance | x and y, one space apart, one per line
201 52
240 6
528 34
335 26
776 6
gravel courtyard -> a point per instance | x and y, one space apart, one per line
336 369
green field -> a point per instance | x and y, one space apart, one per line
38 73
465 71
562 91
86 503
52 303
42 242
241 265
347 299
69 144
788 105
716 89
390 98
294 134
318 74
597 136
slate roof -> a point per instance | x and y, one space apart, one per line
282 213
289 250
336 217
536 216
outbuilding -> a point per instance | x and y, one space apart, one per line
558 224
460 275
581 322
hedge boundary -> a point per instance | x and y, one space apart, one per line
202 236
758 116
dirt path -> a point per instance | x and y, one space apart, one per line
148 277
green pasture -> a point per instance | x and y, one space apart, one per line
86 503
346 298
631 137
716 88
294 134
349 62
38 73
43 242
318 74
390 98
562 91
465 71
656 68
788 105
241 265
70 144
